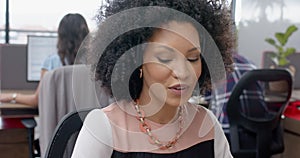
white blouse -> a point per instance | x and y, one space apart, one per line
116 128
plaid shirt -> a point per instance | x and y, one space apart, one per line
218 101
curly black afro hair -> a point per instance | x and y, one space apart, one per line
117 59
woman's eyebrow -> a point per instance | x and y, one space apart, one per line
195 48
166 47
173 50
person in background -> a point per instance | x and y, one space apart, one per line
218 101
72 30
152 67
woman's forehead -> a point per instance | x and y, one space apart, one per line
176 30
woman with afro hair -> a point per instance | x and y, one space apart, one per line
151 56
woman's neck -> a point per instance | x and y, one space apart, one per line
155 109
158 112
165 115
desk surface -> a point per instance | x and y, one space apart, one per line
296 94
21 110
17 110
9 123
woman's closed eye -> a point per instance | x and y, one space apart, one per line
164 59
193 59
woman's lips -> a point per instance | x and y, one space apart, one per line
179 89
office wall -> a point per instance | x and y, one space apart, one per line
294 60
260 19
251 40
13 67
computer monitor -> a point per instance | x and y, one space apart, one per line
38 48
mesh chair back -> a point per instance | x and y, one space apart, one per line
65 135
255 122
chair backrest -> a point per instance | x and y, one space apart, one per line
65 134
64 90
252 125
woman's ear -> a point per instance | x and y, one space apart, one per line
136 83
141 73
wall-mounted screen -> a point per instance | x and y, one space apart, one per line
38 48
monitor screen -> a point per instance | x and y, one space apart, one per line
38 48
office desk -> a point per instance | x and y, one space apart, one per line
281 96
17 110
13 138
292 132
13 134
296 94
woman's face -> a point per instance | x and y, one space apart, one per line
172 64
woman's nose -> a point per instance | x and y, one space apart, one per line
181 70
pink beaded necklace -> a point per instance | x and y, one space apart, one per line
145 128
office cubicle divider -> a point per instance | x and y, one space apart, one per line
13 68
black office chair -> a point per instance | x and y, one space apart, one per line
256 132
65 135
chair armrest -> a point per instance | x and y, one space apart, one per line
29 122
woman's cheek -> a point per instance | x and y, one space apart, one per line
158 72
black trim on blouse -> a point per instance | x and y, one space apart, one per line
203 149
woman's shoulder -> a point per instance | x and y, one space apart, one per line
111 107
51 62
203 111
96 121
53 56
204 122
97 113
